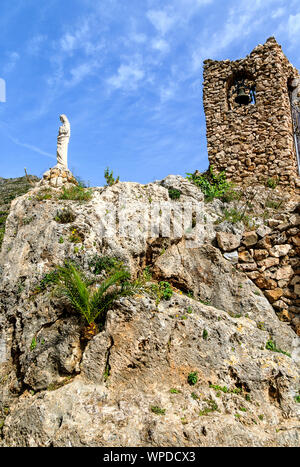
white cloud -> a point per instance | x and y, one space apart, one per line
294 25
138 38
13 58
167 92
34 45
278 13
127 77
80 72
31 147
81 38
240 23
160 44
161 20
68 42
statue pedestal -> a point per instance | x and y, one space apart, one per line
58 177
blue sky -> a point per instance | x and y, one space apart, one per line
127 73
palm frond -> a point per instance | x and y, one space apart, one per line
75 286
114 279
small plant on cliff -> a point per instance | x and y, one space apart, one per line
76 193
162 290
272 183
44 194
271 345
2 231
76 236
193 378
211 407
235 215
65 216
174 193
212 185
98 264
90 301
33 344
157 410
109 177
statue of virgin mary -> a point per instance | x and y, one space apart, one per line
63 138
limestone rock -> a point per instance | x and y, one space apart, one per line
263 283
268 263
284 273
280 250
228 241
232 256
263 231
259 255
250 238
63 391
273 295
245 257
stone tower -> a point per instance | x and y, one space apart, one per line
255 137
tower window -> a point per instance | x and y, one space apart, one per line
241 91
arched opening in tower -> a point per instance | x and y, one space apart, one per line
241 90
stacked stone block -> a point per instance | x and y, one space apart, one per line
270 257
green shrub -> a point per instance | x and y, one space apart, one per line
212 185
33 344
174 193
193 378
76 193
76 236
211 407
271 345
162 291
110 180
157 410
166 290
104 263
44 194
272 182
235 215
219 388
49 279
205 334
174 391
65 216
2 231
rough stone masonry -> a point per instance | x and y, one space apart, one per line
253 142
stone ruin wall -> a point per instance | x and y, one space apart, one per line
254 142
270 257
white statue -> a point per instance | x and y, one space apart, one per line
63 138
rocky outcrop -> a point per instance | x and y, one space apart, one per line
211 366
10 188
